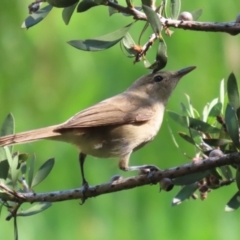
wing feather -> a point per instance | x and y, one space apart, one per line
120 109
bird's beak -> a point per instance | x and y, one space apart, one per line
184 71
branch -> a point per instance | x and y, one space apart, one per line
232 28
123 183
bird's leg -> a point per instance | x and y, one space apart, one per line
82 157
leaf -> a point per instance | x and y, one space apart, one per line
217 142
31 170
182 120
189 106
127 42
186 137
196 136
4 168
153 19
36 208
67 13
185 193
226 172
222 94
196 14
101 43
201 126
62 3
232 90
214 112
233 203
190 178
232 124
85 5
7 126
36 17
43 172
185 111
238 177
161 57
175 8
13 164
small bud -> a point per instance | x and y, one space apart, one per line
185 16
238 18
216 153
166 184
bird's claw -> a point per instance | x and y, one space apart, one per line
85 187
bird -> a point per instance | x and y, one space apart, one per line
114 127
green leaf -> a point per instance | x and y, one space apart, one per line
214 112
36 208
238 177
232 90
161 57
182 120
2 154
4 168
222 94
175 8
217 142
196 14
233 203
7 126
186 137
196 136
232 125
67 13
43 172
13 164
190 178
201 126
31 170
62 3
189 106
226 172
36 17
185 111
101 43
153 19
185 193
86 4
127 42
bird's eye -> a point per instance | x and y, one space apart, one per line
158 78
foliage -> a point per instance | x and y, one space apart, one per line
122 35
213 133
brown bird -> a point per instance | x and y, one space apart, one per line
115 127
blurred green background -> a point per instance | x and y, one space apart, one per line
44 81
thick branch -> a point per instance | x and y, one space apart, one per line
125 183
232 28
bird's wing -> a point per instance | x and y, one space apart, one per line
115 110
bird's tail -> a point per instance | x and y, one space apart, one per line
29 136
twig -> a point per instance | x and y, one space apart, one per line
126 183
232 28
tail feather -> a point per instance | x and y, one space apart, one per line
29 136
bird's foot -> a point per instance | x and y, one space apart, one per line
148 170
85 187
